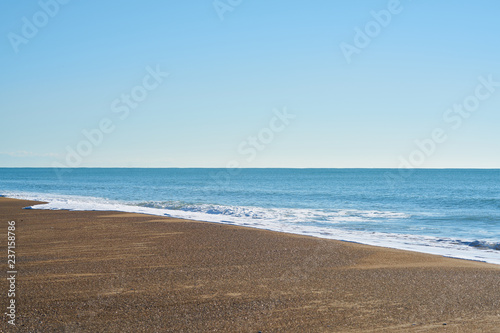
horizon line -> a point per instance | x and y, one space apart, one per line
250 168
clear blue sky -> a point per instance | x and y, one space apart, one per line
226 76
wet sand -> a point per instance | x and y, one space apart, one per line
120 272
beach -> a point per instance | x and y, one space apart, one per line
97 271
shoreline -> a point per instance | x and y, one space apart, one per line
413 243
114 272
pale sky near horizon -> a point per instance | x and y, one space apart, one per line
271 84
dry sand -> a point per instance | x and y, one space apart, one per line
117 272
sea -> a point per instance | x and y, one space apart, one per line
448 212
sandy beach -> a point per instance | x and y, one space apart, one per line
119 272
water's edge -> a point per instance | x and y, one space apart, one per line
408 242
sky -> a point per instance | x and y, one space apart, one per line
240 83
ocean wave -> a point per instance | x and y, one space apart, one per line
483 245
276 214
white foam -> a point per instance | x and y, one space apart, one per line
278 219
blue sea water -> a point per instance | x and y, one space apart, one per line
451 212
